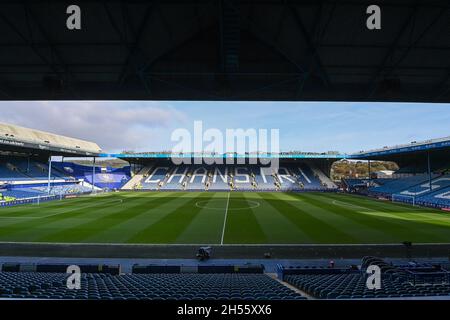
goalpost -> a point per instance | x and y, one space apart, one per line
404 198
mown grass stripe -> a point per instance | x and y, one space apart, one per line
336 217
277 228
402 230
206 227
173 217
407 212
365 229
105 219
65 213
317 229
44 208
129 227
169 227
242 225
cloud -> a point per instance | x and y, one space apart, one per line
307 126
115 126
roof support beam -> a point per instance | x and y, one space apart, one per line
301 85
413 44
123 35
136 44
183 87
250 25
443 87
4 91
293 79
198 16
317 19
312 48
54 51
30 44
279 23
374 84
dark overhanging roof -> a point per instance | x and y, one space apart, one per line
225 50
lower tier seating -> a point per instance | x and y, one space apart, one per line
353 286
145 286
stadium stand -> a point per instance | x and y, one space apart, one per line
109 178
225 282
398 281
24 165
145 283
166 176
17 169
421 189
414 189
23 177
398 185
135 182
437 199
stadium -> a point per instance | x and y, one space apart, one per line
93 206
154 208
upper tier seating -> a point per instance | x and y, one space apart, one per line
110 178
19 170
353 286
24 178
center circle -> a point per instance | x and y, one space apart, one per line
210 204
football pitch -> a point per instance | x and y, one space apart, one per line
223 218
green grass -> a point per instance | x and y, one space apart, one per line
198 218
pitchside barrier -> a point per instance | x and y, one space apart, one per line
283 271
59 268
149 269
427 275
37 200
329 190
410 199
136 269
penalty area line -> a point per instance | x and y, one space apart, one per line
225 219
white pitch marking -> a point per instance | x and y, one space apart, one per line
225 219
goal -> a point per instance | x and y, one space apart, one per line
404 198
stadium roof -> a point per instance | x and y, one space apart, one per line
23 140
399 153
166 155
413 147
414 154
225 50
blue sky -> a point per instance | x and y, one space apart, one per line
305 126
